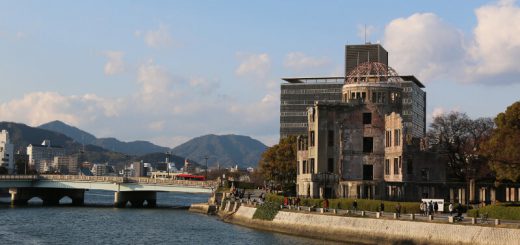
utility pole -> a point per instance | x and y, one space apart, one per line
206 158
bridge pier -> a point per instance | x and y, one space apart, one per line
136 198
49 196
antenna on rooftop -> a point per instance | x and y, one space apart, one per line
365 33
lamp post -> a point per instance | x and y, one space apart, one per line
206 158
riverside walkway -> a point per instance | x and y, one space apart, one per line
136 190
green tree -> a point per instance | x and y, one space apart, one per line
459 138
278 164
502 148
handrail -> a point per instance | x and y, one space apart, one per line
113 179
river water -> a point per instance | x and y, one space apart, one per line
99 223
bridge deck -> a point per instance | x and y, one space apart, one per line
111 183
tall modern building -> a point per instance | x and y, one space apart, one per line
6 152
358 54
299 93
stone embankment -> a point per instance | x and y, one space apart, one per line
370 230
203 208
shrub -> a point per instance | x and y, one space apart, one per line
346 203
497 212
266 211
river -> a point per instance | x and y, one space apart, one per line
99 223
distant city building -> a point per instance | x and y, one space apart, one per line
42 156
21 161
139 169
66 164
6 152
100 169
189 167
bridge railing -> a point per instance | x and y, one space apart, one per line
18 177
140 180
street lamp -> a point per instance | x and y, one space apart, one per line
206 158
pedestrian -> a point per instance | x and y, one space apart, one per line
398 210
430 208
450 208
382 207
297 203
249 197
421 207
325 204
354 205
435 207
285 201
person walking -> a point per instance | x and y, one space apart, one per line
450 208
435 207
354 205
398 210
326 204
382 207
421 207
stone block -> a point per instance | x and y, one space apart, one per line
378 215
497 222
450 219
412 216
362 213
395 216
430 217
473 220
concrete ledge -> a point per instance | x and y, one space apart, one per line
202 208
368 230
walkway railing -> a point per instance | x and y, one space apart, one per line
18 177
138 180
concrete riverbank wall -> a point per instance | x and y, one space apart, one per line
375 231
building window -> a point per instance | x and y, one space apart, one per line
367 118
312 165
396 166
387 166
397 135
304 167
330 138
409 166
330 166
425 174
400 162
311 139
388 138
368 172
298 168
368 144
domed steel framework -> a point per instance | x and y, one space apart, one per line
372 72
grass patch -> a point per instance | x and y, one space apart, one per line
501 211
266 211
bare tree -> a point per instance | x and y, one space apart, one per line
459 138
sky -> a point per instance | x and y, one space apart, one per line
168 71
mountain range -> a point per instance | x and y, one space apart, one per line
225 150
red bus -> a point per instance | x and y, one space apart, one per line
189 177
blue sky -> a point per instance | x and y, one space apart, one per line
167 71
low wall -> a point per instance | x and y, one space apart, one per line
203 208
369 230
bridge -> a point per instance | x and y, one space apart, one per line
136 190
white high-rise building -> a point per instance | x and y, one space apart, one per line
38 154
6 152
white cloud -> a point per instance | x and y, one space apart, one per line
299 61
204 86
115 62
158 38
257 65
155 82
40 107
157 125
495 49
425 46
